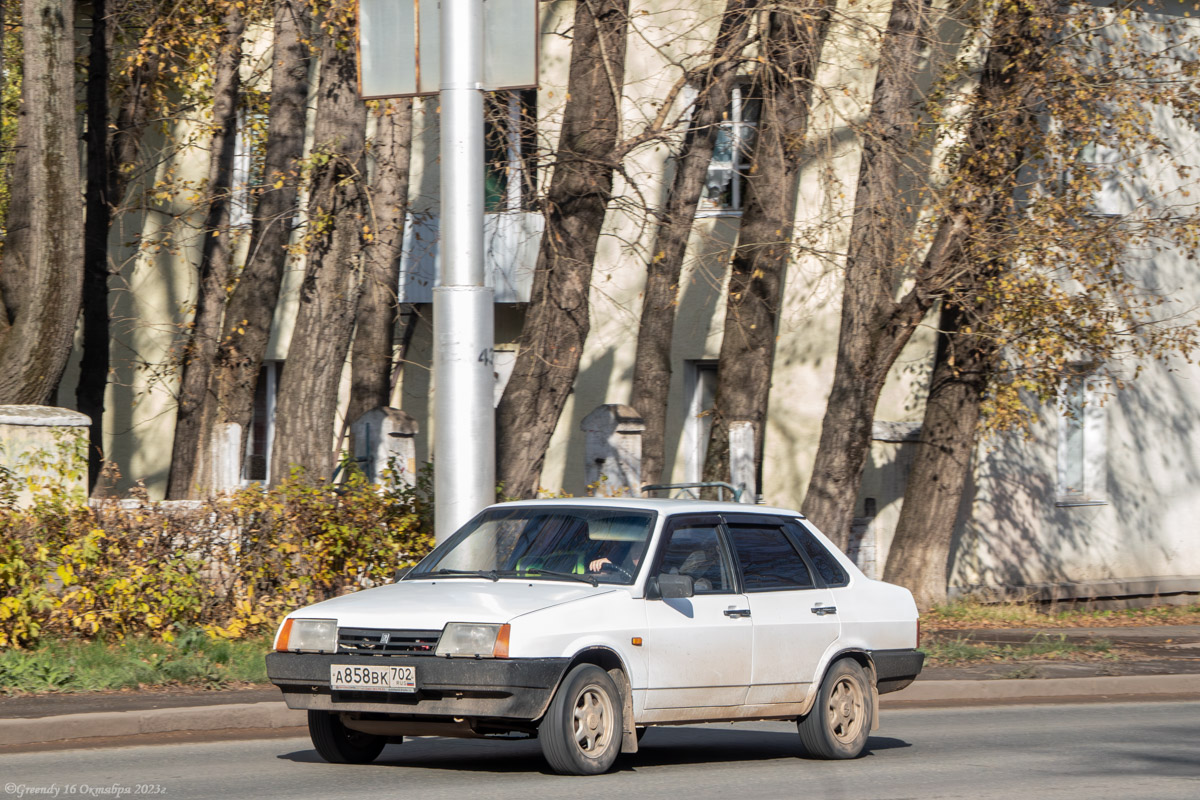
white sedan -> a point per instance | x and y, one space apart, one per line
584 621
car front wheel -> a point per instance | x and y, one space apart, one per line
840 721
581 732
337 744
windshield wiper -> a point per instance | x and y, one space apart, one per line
490 574
568 575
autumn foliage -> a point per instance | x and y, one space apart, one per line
233 565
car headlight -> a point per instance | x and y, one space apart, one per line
474 640
307 636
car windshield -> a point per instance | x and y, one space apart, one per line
591 545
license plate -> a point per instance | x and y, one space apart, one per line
371 678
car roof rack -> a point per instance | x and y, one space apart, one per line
688 491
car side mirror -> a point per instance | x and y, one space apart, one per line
400 573
675 586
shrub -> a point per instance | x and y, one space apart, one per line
231 566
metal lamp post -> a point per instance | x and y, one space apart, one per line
464 433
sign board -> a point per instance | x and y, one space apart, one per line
399 46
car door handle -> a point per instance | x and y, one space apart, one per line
737 612
821 611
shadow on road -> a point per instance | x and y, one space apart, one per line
660 747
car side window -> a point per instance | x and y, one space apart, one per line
768 559
830 570
696 550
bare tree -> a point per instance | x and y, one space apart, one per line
333 280
791 42
556 322
652 365
42 276
229 404
875 325
371 359
215 259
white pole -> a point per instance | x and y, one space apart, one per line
464 420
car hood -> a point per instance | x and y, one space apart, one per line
430 604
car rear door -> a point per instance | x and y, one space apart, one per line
795 619
699 647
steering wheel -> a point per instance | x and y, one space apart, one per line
609 566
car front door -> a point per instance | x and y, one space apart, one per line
795 622
700 646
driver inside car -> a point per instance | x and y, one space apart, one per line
616 560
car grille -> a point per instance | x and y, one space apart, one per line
386 642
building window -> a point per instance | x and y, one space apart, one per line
248 155
724 189
700 386
1082 434
510 149
256 467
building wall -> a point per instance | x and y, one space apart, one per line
1013 532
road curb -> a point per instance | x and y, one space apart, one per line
157 720
276 714
1040 688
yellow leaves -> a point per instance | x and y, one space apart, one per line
66 574
119 572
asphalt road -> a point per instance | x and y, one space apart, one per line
1116 750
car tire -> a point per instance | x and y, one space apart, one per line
337 744
581 732
840 720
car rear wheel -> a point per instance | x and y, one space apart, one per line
581 732
840 721
337 744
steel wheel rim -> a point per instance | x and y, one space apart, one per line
593 721
847 710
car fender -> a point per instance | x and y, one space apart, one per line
842 648
607 622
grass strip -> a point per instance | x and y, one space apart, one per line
193 660
975 614
963 650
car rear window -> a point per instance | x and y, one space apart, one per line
768 559
827 566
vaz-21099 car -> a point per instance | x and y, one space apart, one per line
583 622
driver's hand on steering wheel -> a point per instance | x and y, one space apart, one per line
598 564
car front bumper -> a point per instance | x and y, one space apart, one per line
518 688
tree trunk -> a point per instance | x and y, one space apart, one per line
941 468
652 366
201 347
42 276
94 358
874 327
371 359
333 280
251 307
792 43
556 322
1001 134
134 114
